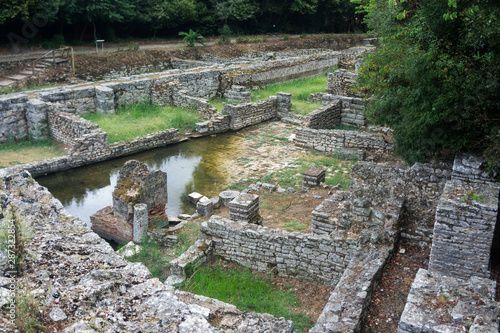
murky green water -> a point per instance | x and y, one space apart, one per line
190 166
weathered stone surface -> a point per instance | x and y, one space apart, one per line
439 303
101 289
57 315
313 177
228 196
140 227
463 233
195 197
205 206
326 117
244 207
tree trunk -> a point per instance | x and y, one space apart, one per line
83 32
95 29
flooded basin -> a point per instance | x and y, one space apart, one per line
191 166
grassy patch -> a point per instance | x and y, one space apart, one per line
141 119
247 292
27 151
295 226
300 90
157 258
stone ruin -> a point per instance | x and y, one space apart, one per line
136 187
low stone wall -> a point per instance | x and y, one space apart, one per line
326 117
338 140
244 115
67 127
352 109
217 124
438 303
463 233
304 256
420 186
89 153
347 305
84 284
469 167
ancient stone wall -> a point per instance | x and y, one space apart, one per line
244 115
340 142
352 109
68 127
87 154
304 256
76 269
78 100
420 186
13 122
463 233
217 124
285 69
326 117
341 83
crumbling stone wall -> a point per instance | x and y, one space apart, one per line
131 92
305 256
343 143
250 114
463 233
76 269
326 117
352 109
68 127
420 186
341 83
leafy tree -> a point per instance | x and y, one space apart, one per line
239 10
192 37
435 78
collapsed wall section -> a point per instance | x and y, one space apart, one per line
305 256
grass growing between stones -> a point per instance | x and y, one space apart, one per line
28 151
157 258
141 119
300 90
248 292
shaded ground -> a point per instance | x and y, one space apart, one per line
390 295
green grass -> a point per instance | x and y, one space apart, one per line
25 144
294 226
300 90
247 292
10 90
152 256
141 119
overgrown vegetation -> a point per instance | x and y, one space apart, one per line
157 258
300 90
192 37
247 291
435 80
140 119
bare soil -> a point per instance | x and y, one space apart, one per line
390 296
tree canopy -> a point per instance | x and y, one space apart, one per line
435 77
165 18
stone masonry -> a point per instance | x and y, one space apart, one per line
326 117
341 82
238 94
313 177
78 276
245 207
463 232
136 185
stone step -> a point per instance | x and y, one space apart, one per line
26 72
16 77
50 61
5 83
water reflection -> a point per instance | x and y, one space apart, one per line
190 166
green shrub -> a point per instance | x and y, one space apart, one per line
54 43
133 47
192 37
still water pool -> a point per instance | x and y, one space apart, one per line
190 166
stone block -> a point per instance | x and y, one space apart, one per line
104 100
313 177
140 227
205 206
195 197
227 196
244 207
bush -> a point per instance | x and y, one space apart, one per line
225 34
192 37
